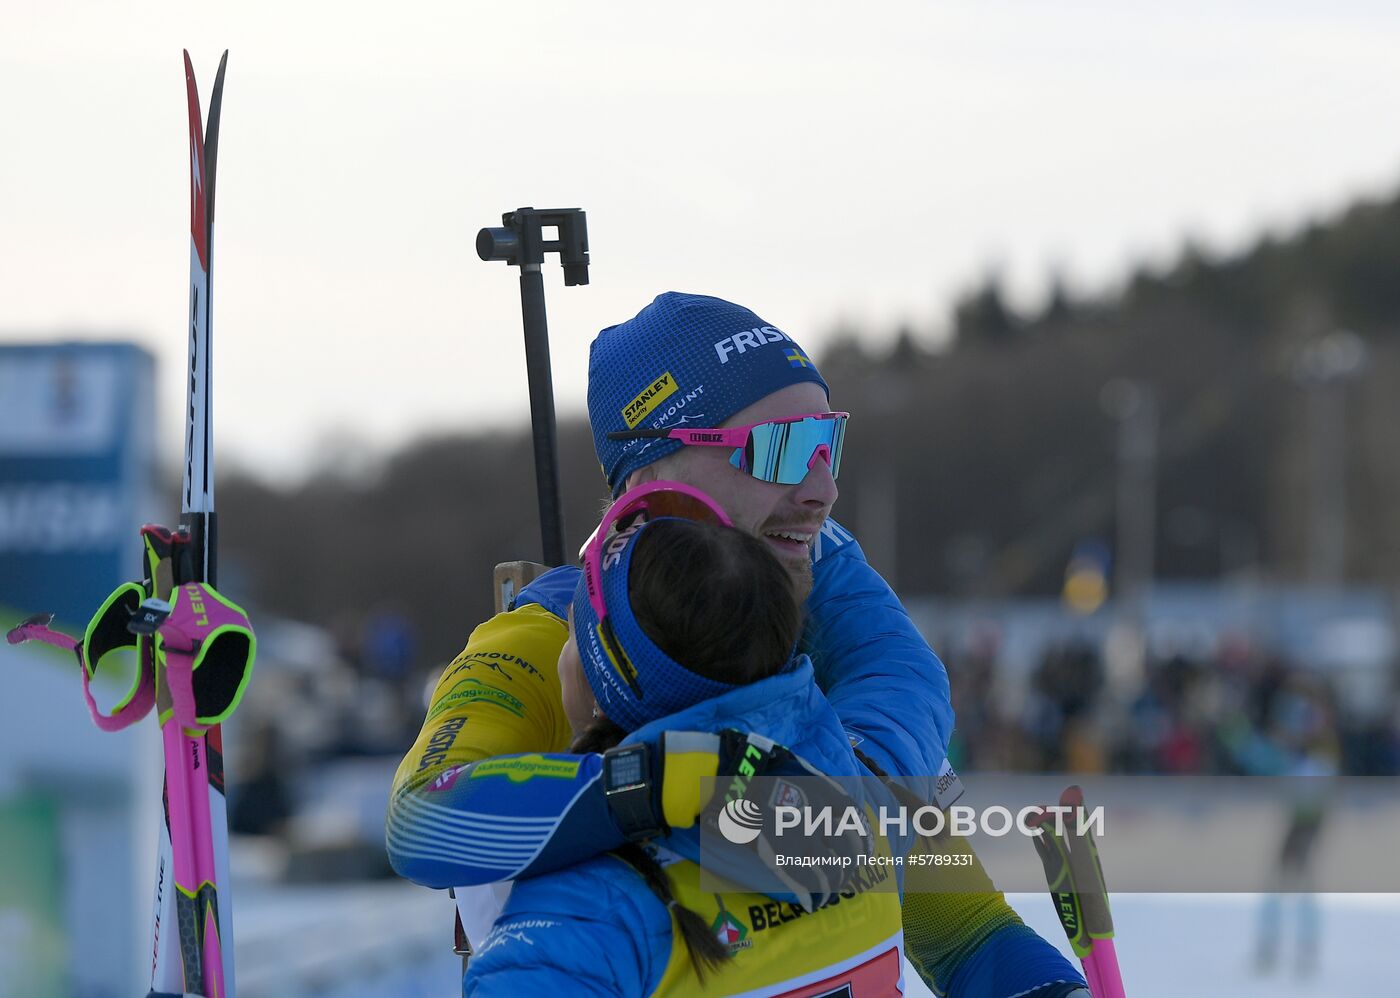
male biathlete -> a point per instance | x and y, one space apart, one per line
702 391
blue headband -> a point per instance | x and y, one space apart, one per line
644 683
682 359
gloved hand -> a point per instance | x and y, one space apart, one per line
727 822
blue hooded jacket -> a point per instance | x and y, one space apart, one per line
596 928
879 675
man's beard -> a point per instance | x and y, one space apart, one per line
800 572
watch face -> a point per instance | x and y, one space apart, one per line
625 770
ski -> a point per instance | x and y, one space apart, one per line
194 650
191 934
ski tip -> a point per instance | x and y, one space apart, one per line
218 86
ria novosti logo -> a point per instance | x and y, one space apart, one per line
741 821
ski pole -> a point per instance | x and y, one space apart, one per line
1075 877
520 242
194 843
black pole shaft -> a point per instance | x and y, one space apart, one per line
542 412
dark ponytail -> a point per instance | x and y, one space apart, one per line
706 951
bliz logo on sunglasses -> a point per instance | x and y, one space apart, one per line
749 339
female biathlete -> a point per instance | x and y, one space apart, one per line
684 626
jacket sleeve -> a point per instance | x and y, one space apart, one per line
891 691
1014 961
582 932
486 761
965 940
885 682
501 818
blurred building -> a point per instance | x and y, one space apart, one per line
76 849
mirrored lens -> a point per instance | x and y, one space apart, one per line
838 440
782 452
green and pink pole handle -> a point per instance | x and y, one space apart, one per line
1075 876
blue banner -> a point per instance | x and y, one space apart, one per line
75 473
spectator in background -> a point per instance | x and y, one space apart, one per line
261 804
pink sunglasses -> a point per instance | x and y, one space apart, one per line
776 450
634 507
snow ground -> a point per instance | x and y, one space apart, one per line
393 940
1202 945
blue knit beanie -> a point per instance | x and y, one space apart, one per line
683 360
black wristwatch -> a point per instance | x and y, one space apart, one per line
627 788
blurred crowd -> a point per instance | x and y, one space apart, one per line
333 712
1237 710
340 703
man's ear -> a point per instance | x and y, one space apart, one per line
646 473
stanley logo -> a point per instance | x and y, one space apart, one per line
652 396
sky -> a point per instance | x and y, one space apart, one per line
824 165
